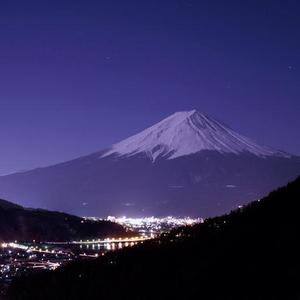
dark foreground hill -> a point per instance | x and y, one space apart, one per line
252 253
19 223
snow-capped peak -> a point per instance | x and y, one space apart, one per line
185 133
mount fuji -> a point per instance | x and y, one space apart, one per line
187 164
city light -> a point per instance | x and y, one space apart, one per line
153 225
17 257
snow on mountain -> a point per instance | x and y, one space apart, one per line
185 133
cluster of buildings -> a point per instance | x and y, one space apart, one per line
16 259
152 225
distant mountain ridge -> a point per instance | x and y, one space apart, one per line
9 205
187 164
19 223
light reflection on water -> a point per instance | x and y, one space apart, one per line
103 247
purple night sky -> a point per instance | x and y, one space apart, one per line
76 76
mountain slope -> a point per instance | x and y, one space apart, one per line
18 223
252 253
188 164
